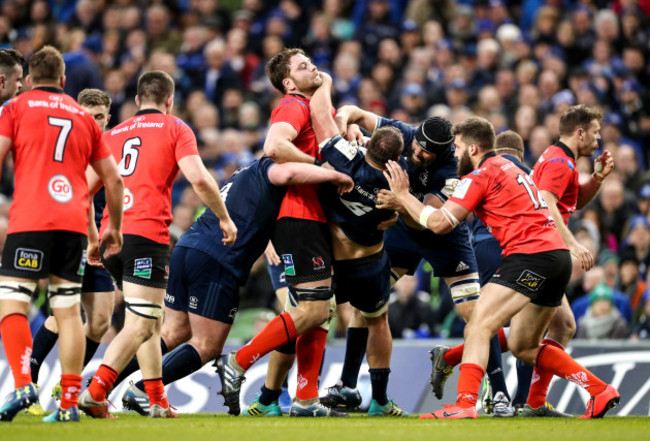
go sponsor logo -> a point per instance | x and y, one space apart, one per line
60 189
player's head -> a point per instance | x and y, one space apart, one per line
155 88
580 126
11 73
46 68
432 139
509 143
474 139
386 144
291 71
98 104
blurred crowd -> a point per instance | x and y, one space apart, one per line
518 63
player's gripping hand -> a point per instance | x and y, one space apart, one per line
229 231
271 255
603 165
354 134
397 179
344 184
93 257
583 255
112 241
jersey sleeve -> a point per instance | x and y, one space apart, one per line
444 181
469 192
342 155
408 131
553 176
185 142
294 112
7 119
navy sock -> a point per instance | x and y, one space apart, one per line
495 368
524 375
91 348
178 364
379 382
133 366
355 350
268 396
44 341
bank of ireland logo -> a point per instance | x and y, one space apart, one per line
289 268
60 189
128 199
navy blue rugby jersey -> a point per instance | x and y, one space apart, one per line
355 212
253 203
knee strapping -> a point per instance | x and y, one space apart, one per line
314 294
143 308
21 291
465 290
64 295
377 313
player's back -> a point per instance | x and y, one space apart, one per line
148 148
54 141
253 203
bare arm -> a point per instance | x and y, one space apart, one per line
603 166
347 115
291 173
320 110
208 190
106 170
582 253
279 144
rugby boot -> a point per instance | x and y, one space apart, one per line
451 412
232 377
389 409
440 370
259 409
546 410
313 410
17 400
285 400
342 397
136 399
57 390
501 406
157 411
93 408
71 414
35 409
598 405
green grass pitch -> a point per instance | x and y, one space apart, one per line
221 427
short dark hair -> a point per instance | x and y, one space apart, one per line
93 97
386 143
155 86
510 141
576 117
277 69
10 58
46 65
475 130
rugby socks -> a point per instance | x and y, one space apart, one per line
495 368
278 332
309 351
558 362
70 388
379 382
469 383
178 364
455 355
44 341
524 374
17 343
355 350
540 380
156 392
133 365
102 382
268 396
91 348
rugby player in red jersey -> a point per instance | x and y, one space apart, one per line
152 147
52 140
11 73
534 271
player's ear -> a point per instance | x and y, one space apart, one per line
137 101
28 81
62 81
288 84
3 81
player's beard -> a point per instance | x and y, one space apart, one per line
308 87
465 165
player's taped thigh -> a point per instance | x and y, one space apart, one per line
466 290
64 295
377 313
326 324
312 294
143 308
21 291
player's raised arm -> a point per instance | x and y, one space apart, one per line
292 173
320 110
350 114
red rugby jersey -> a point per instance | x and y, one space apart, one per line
54 141
556 171
300 201
508 203
147 148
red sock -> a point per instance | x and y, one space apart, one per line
309 351
469 383
558 362
103 381
70 388
503 340
156 392
454 355
541 380
17 342
278 332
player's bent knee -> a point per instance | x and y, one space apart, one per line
21 291
64 295
466 290
375 315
